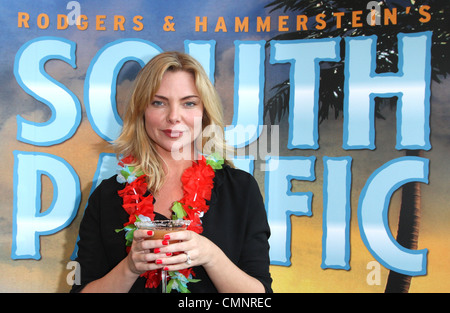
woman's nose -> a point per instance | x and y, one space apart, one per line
174 114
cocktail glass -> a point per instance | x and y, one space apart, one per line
161 228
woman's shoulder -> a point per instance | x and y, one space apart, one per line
108 186
228 171
235 176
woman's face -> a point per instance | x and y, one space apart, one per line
173 118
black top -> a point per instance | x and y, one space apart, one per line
236 222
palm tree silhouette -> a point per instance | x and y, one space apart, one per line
332 80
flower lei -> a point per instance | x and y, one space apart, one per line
197 183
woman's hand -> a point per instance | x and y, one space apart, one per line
186 249
171 254
144 253
223 273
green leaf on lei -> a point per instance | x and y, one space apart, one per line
127 171
130 231
169 286
178 210
215 161
192 280
183 289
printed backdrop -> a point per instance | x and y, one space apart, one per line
333 106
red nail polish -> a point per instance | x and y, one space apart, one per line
156 250
165 242
150 233
165 268
168 253
158 261
167 237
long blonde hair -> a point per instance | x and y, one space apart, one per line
134 141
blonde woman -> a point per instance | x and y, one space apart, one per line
166 173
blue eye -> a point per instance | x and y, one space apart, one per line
189 104
157 103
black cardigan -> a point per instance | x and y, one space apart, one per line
236 222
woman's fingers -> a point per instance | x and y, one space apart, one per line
145 253
177 259
183 235
189 249
176 251
141 234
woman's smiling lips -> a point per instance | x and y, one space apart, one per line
171 133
